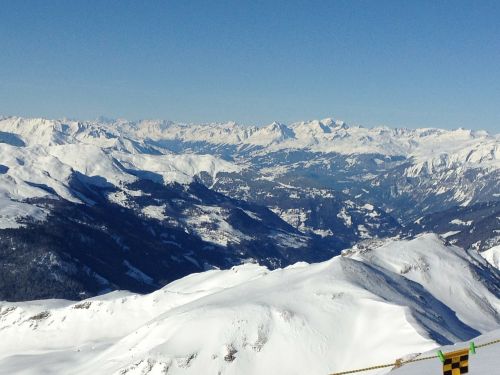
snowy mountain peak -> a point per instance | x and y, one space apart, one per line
319 315
433 153
274 133
40 158
326 135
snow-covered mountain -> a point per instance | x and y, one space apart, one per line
475 226
425 151
93 206
377 302
492 255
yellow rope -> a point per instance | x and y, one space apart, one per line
396 363
363 369
488 343
401 363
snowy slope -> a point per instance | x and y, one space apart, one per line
436 154
485 361
44 161
426 260
492 256
307 318
278 194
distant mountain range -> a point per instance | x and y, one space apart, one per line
88 207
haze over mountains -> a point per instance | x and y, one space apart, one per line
93 206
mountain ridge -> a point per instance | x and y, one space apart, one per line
306 191
321 315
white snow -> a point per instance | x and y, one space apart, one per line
492 256
313 319
430 147
363 232
368 207
155 212
210 224
345 217
353 311
323 232
461 222
426 260
296 217
484 362
47 152
450 233
39 157
12 213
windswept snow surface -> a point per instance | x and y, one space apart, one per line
493 256
355 310
426 260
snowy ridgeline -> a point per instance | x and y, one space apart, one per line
46 172
39 157
325 135
368 306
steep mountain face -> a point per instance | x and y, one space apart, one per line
139 242
325 212
78 220
425 260
400 170
475 226
386 299
407 173
92 206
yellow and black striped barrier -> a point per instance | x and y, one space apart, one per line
454 363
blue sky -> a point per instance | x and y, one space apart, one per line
397 63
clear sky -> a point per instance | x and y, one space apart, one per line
397 63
